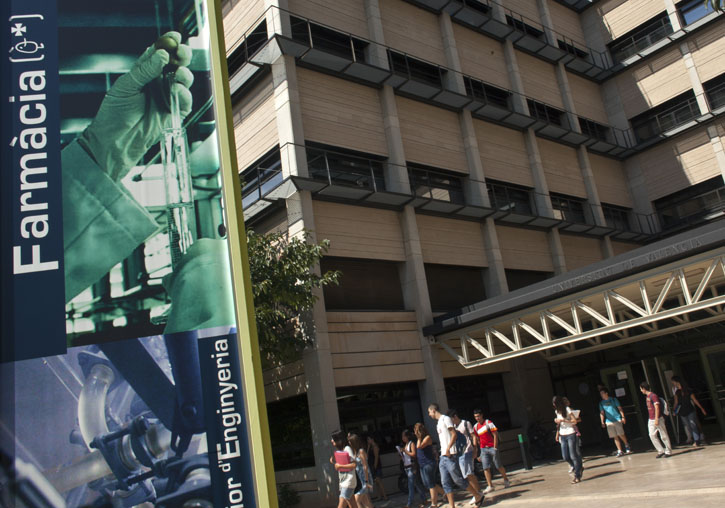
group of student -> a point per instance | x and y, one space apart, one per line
460 444
613 419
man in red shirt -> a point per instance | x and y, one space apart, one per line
656 422
487 437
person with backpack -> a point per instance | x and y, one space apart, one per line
488 441
448 465
656 422
467 451
685 402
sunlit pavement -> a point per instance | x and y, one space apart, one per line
692 477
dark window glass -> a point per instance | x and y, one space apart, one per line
594 129
487 93
345 168
436 185
572 49
484 392
693 10
616 217
415 69
365 284
568 208
510 198
520 25
383 411
327 39
453 287
715 91
517 279
545 113
476 5
693 205
261 177
640 38
247 48
666 116
291 433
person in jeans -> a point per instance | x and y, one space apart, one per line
656 423
427 462
450 471
612 416
487 436
566 421
466 457
686 400
409 456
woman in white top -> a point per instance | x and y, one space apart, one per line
566 421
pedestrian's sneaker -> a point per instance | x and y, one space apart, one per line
660 455
619 453
488 490
506 483
668 455
628 451
472 501
571 469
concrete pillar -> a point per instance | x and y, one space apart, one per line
289 117
717 146
697 87
672 14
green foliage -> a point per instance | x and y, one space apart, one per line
287 496
283 284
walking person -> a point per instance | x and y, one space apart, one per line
375 466
656 422
344 461
466 458
612 416
427 463
487 440
409 456
450 472
362 496
685 402
566 420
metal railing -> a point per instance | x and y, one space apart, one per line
693 210
337 168
715 96
648 126
642 39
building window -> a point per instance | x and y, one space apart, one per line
341 167
715 92
434 184
616 217
484 392
693 10
291 433
415 69
517 279
568 208
666 116
640 38
519 24
570 48
383 411
249 46
365 284
510 198
593 129
477 5
545 113
693 205
328 40
260 178
453 287
486 93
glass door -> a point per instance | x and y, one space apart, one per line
621 383
713 358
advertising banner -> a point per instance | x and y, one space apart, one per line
122 382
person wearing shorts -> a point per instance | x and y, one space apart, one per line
465 459
487 436
344 462
612 417
448 464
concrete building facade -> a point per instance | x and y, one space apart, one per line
455 151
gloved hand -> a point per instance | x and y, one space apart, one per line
129 120
200 288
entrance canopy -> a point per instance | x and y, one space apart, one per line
668 286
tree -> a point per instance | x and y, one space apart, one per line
283 284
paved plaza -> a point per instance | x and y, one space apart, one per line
691 477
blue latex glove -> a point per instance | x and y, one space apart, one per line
128 123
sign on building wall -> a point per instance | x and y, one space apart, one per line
121 375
